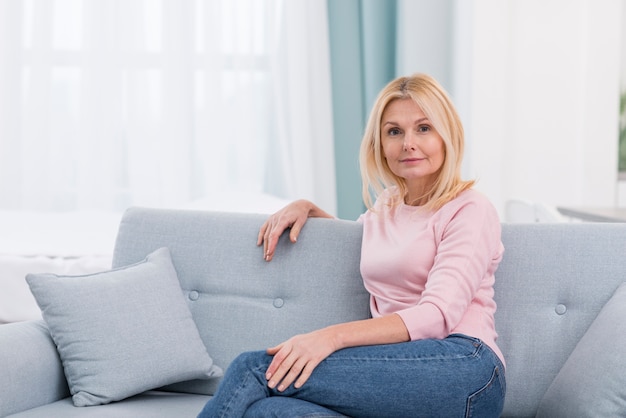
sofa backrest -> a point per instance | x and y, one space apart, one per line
550 286
239 301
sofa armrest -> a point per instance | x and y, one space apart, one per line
31 371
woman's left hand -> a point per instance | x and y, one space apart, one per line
296 358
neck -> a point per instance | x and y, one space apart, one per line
415 200
418 194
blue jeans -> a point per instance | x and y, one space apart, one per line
455 377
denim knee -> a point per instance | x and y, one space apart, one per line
488 401
255 362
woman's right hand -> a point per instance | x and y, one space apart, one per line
293 216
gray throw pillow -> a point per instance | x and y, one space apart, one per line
592 382
123 331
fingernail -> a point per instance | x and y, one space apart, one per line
271 384
268 376
281 388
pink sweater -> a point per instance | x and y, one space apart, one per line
434 269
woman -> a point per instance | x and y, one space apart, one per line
431 245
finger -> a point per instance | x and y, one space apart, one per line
305 374
273 350
261 235
271 240
280 353
292 374
269 247
269 235
266 251
295 230
281 371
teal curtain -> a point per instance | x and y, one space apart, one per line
363 59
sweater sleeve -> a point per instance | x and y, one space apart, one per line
468 252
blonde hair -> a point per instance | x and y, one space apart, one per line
428 94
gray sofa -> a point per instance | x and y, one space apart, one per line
551 285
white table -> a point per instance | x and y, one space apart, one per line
594 214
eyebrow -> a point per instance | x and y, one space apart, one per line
390 122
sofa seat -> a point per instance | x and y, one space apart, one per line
149 404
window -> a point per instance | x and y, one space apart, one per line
117 103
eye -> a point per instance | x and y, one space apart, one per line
424 128
393 132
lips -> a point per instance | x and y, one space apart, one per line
412 160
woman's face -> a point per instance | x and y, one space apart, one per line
413 149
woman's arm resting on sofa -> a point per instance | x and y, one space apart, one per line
293 217
31 371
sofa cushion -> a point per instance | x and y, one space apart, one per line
123 331
592 382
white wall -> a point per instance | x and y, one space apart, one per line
540 98
425 36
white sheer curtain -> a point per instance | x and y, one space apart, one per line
110 103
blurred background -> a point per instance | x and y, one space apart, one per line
248 104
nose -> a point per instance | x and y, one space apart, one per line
409 143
